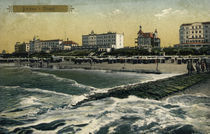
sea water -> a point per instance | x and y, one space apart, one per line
42 101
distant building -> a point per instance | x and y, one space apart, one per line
194 35
47 45
22 47
68 45
37 45
4 52
103 41
147 40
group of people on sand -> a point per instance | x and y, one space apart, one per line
200 66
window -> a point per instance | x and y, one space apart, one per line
199 31
199 26
196 31
193 37
192 31
199 36
187 36
192 27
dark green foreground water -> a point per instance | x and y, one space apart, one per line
40 101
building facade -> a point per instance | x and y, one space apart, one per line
68 45
147 40
22 47
194 35
103 41
37 45
47 45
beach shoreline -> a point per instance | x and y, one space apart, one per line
125 67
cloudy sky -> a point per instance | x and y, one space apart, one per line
122 16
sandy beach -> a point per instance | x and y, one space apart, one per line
162 67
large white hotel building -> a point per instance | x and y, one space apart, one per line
194 35
103 41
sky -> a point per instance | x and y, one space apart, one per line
121 16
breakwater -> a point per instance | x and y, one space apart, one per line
152 90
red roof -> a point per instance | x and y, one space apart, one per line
148 35
145 35
68 42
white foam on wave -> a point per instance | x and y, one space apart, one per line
72 82
98 114
150 110
30 101
9 87
36 90
46 91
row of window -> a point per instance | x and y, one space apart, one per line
197 27
197 31
110 36
196 41
50 43
196 36
105 40
101 37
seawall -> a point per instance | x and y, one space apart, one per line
154 89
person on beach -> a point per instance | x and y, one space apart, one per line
207 65
197 66
202 66
189 67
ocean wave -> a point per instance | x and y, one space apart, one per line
72 82
46 91
130 115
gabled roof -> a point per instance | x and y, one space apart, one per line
140 32
69 42
148 35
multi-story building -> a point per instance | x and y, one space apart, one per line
147 40
37 45
194 35
105 40
22 47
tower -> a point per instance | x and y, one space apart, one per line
140 31
92 32
155 34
